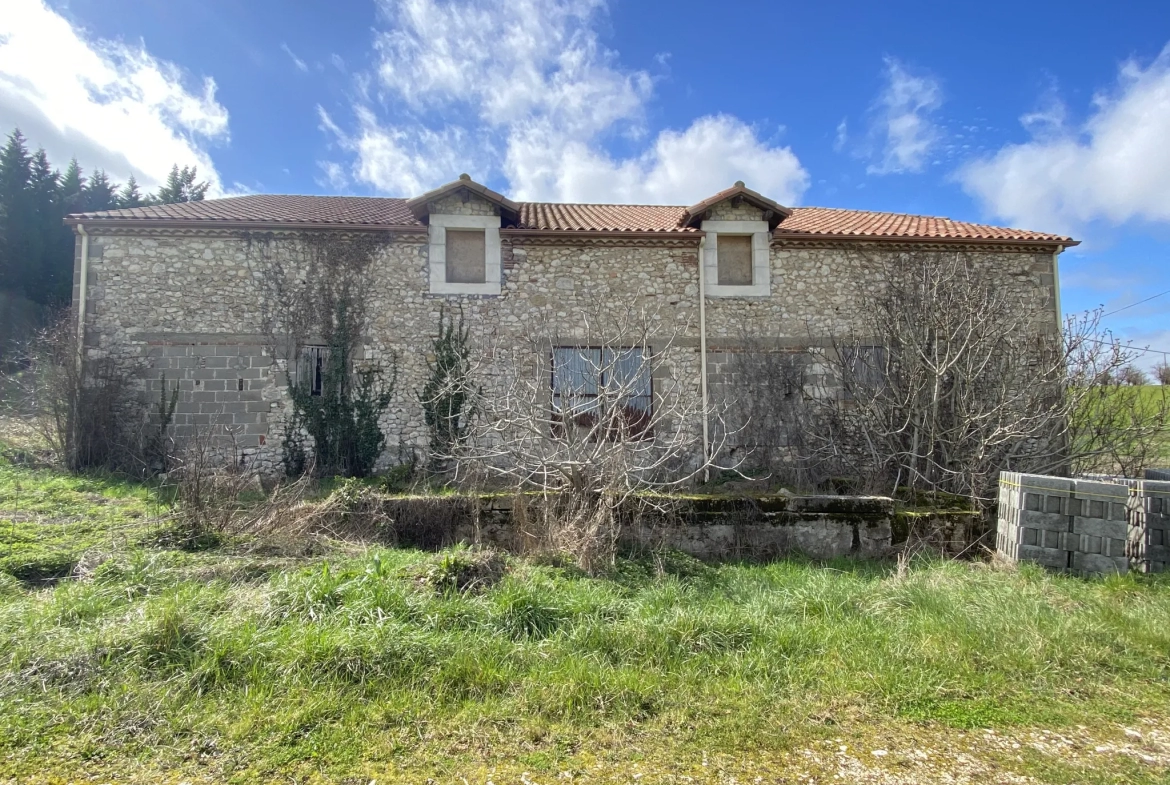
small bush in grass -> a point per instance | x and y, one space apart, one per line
466 570
1162 373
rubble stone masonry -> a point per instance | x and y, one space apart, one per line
188 301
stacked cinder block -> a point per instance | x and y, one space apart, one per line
1149 529
1098 527
1077 525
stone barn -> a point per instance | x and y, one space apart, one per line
181 287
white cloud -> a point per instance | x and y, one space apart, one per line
113 106
300 64
527 91
902 124
679 168
1115 168
842 135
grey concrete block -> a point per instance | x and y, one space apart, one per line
227 351
1044 520
1100 528
1042 483
216 362
1049 557
1095 564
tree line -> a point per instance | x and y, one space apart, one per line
36 248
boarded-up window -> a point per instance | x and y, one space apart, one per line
466 254
605 392
735 259
311 368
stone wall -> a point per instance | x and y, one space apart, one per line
1087 527
712 528
154 291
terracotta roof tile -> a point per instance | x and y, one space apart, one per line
600 217
829 221
377 211
263 208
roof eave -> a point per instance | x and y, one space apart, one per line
1053 242
213 223
591 233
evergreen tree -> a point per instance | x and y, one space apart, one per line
181 186
131 196
73 188
100 194
45 274
15 174
36 248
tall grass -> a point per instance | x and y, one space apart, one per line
330 661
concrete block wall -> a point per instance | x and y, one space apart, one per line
224 388
1084 526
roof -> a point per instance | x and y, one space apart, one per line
265 211
776 212
418 206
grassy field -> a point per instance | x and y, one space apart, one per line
227 665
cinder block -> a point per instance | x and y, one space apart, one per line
1096 564
227 351
1032 482
1049 557
1099 527
1044 520
1092 489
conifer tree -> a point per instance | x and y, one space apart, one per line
100 193
15 174
181 186
131 196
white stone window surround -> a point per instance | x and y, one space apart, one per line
437 252
761 285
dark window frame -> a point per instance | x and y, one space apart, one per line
311 360
638 428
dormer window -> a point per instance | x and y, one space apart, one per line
736 259
464 254
463 221
736 256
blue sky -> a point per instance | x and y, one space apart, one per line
1047 116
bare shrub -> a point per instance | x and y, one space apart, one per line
945 379
569 417
89 410
763 391
1162 373
211 485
